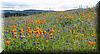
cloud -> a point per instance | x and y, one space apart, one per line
47 4
14 4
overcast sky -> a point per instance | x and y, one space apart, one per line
58 5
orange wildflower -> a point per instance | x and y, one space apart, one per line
30 36
30 32
42 36
93 43
14 30
52 30
8 42
44 21
71 31
82 35
39 31
59 30
88 43
44 32
15 33
22 30
35 32
94 35
15 36
37 36
28 28
38 21
14 26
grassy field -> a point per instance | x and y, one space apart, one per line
52 31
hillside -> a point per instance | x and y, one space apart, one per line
7 13
71 30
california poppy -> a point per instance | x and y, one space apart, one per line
30 32
28 29
44 32
94 35
39 32
71 31
42 36
88 43
82 35
38 21
59 30
15 33
14 30
22 30
93 43
43 21
37 36
30 36
8 42
15 36
51 31
35 32
14 26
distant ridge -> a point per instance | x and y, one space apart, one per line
7 13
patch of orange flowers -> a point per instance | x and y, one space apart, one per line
22 31
8 42
82 35
38 21
14 26
29 31
91 43
59 30
41 21
37 36
35 32
44 32
15 30
51 31
94 35
44 21
39 31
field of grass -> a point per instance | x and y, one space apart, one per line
52 31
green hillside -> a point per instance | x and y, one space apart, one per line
52 31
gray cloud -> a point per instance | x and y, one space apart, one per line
13 4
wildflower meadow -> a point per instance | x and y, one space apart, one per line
51 31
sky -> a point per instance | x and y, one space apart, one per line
57 5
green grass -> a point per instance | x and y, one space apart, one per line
75 41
